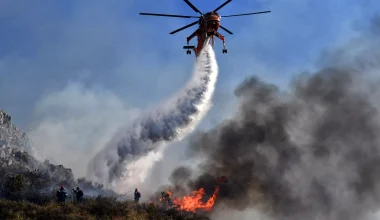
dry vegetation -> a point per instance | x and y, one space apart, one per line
98 208
22 197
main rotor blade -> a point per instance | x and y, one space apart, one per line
182 28
260 12
169 15
193 7
225 29
221 6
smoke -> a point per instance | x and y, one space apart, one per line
308 153
74 122
129 156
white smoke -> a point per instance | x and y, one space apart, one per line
72 124
129 156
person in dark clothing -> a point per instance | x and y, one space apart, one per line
61 195
78 194
137 195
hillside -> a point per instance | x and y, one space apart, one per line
15 159
27 187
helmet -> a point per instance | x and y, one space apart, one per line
62 187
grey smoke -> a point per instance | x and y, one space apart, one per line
312 152
171 121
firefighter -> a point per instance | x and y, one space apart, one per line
61 195
78 194
137 195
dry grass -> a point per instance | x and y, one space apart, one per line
99 208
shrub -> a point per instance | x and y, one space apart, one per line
96 208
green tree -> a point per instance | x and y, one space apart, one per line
15 186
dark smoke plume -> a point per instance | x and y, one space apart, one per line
308 153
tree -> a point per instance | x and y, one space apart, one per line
14 186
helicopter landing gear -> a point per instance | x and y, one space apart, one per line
188 51
224 47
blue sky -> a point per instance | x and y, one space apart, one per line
75 65
45 44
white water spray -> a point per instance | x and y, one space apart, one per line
129 156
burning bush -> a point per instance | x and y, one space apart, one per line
198 201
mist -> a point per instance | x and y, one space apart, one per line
308 152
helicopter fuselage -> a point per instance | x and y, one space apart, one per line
210 23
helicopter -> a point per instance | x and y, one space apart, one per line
208 25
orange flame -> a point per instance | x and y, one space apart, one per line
167 192
192 203
170 193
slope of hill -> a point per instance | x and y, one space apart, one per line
27 187
22 177
15 159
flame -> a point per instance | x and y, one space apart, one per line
167 192
170 193
192 203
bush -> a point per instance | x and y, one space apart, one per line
13 187
97 208
29 195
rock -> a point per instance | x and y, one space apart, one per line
5 119
11 136
15 154
16 158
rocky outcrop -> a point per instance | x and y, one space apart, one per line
4 118
15 158
11 136
15 148
19 161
